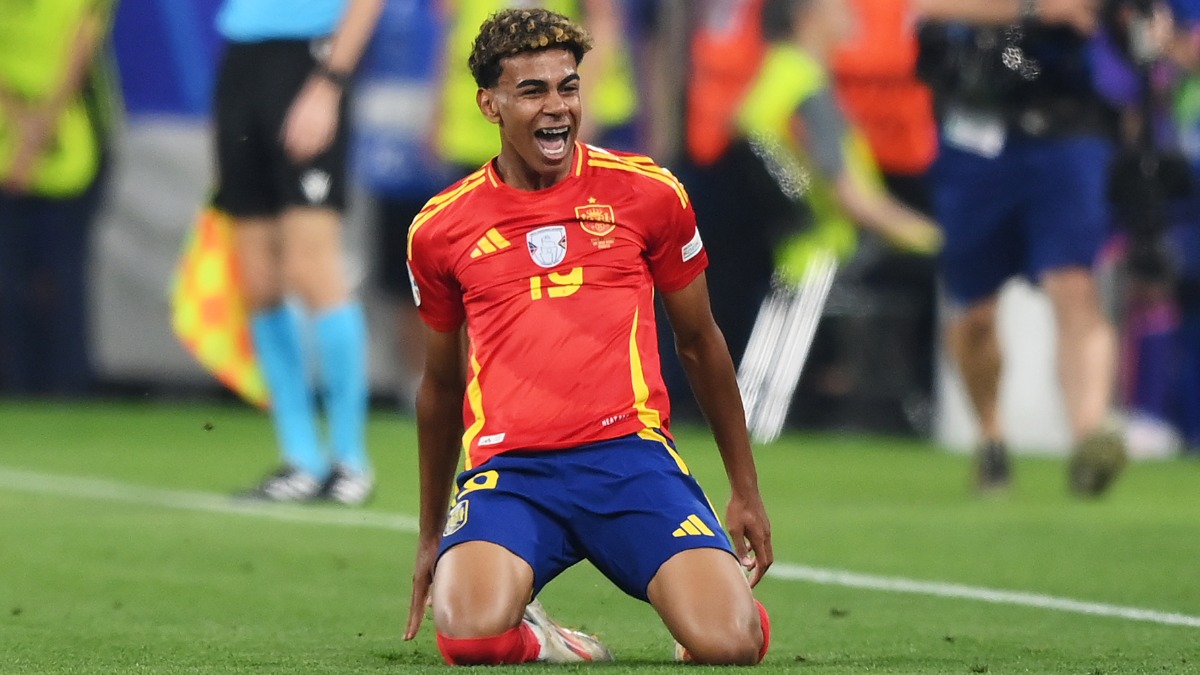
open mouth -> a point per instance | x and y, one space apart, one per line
553 141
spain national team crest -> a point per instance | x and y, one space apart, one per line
596 219
456 518
547 245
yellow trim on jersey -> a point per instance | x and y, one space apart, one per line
475 399
440 202
656 435
579 153
650 171
641 391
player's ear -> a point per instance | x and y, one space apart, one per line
486 98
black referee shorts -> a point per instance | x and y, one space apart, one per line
256 84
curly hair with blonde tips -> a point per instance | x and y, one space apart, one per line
515 31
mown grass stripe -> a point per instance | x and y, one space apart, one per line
20 480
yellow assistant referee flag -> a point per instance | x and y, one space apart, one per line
208 313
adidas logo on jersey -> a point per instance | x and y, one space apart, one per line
489 243
692 527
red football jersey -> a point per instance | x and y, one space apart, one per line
556 287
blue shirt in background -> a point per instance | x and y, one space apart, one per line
259 20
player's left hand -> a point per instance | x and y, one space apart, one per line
312 120
750 529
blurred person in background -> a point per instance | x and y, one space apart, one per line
795 105
1185 235
395 159
876 83
1159 239
281 135
790 120
725 50
1020 188
875 76
58 109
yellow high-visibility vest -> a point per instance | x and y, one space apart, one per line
787 77
36 40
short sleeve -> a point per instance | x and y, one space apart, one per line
676 252
825 129
436 292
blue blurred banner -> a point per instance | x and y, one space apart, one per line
167 53
396 99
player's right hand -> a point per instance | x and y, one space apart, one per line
422 581
750 531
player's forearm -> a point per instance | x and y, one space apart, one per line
439 433
713 380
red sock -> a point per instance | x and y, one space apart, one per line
515 645
766 627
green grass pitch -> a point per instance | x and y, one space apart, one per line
120 553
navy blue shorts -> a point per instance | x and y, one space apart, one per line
626 505
1040 205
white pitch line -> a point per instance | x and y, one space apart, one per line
95 488
20 480
946 590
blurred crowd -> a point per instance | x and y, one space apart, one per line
690 83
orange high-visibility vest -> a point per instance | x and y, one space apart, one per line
875 78
727 48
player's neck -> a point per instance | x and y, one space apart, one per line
517 173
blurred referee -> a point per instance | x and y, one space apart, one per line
281 103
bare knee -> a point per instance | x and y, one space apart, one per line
457 621
479 590
724 625
736 643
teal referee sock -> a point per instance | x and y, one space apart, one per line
280 352
341 346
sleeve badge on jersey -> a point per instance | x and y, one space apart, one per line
693 247
456 518
548 245
412 281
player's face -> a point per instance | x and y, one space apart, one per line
536 103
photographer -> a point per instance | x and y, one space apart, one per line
1157 207
1020 188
